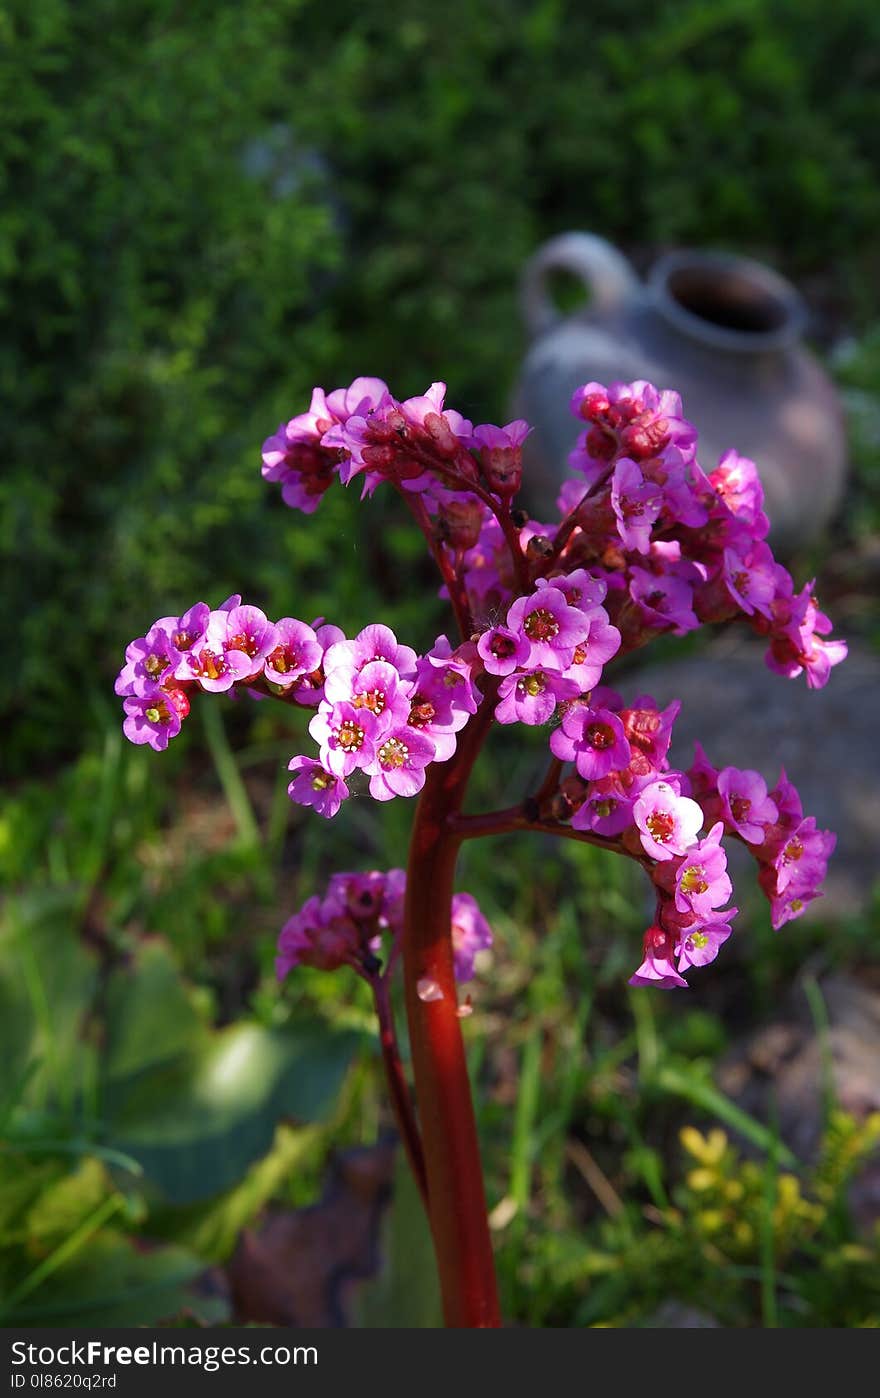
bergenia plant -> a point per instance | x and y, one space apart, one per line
647 542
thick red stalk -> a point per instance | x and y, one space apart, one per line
456 1199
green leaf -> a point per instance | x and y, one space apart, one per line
61 1208
406 1293
47 981
150 1014
212 1229
115 1281
198 1123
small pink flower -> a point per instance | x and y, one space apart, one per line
701 943
346 736
746 807
657 968
531 697
701 880
636 503
551 627
152 717
471 933
296 652
592 738
668 823
398 765
503 650
314 786
376 642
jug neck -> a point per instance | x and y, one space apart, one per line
726 303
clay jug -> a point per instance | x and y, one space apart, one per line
722 330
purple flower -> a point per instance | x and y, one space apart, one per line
297 652
215 668
500 453
362 895
375 642
184 631
377 688
789 905
701 943
398 766
668 823
657 968
154 717
746 807
314 786
634 418
702 775
296 457
552 628
607 809
749 574
648 728
594 739
665 599
802 860
737 485
503 650
361 395
636 503
440 705
148 661
322 935
471 933
701 880
446 428
590 655
248 630
580 589
532 697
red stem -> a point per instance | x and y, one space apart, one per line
515 819
397 1085
456 1199
448 571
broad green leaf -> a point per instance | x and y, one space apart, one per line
197 1124
212 1229
116 1281
150 1015
406 1293
47 982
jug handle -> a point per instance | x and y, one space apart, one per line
604 271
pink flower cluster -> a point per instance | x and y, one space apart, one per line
346 927
792 854
623 789
417 444
648 542
209 650
381 709
386 712
679 547
550 649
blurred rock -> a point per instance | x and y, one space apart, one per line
675 1315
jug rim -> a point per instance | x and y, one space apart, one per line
727 301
